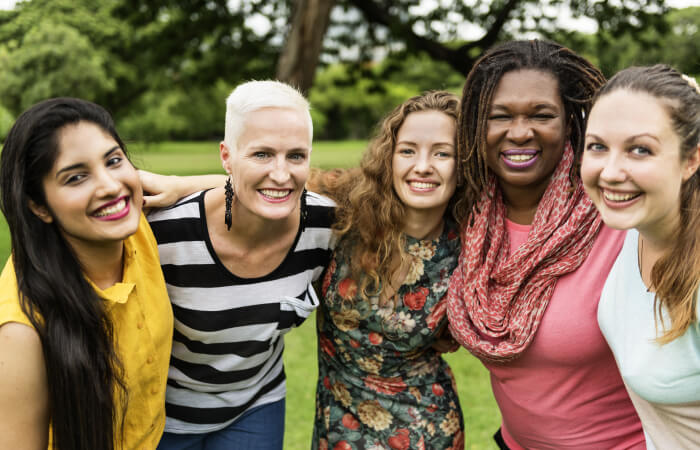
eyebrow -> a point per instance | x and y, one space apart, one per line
629 139
80 165
540 105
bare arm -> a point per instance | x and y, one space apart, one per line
24 414
164 190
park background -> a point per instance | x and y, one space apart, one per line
164 68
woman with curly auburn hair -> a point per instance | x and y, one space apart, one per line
640 167
535 254
381 381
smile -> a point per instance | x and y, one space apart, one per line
422 185
275 195
619 196
520 158
114 210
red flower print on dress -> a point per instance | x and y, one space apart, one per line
347 288
342 445
400 440
322 444
391 386
415 300
354 343
326 345
432 408
436 314
438 390
350 422
326 382
375 338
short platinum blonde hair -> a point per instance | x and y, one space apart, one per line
254 95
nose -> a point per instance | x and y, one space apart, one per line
423 163
280 171
108 184
520 130
613 168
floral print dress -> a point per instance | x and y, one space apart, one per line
381 384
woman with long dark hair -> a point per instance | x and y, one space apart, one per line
85 321
534 253
640 167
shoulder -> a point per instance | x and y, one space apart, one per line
10 309
173 223
185 207
320 210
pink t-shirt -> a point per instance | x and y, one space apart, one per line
565 391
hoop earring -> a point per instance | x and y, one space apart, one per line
228 189
304 210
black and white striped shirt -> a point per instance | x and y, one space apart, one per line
228 339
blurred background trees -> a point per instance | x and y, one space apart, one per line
165 67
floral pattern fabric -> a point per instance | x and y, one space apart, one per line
381 384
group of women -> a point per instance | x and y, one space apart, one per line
499 221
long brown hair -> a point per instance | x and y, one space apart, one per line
578 81
369 211
676 275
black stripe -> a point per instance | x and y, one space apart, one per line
243 348
218 415
177 230
228 318
204 373
320 216
213 275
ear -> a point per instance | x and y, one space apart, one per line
42 212
690 166
225 154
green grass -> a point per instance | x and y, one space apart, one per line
481 415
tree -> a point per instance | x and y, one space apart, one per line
406 25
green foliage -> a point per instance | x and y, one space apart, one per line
6 121
177 113
676 42
58 48
350 100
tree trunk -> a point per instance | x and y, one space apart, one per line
299 59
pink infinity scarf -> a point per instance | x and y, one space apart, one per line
496 300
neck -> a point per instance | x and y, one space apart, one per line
521 203
103 264
248 229
653 244
424 224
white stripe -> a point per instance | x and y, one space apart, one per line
198 387
257 332
238 296
185 253
222 363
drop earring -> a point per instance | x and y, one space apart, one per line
228 189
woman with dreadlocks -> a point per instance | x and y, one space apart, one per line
535 253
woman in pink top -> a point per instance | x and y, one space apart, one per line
535 254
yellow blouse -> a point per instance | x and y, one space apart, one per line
143 327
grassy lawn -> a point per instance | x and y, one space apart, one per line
481 415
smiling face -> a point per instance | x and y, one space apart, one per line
632 167
271 164
92 192
526 131
424 165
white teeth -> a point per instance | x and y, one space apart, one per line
115 208
618 196
275 193
421 185
519 158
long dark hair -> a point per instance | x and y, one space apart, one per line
578 82
84 373
676 275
